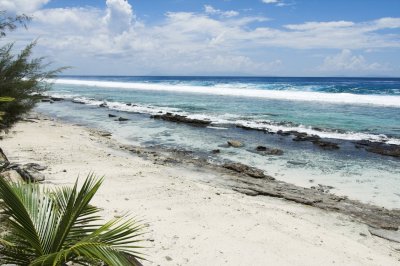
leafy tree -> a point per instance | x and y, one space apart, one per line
22 78
58 226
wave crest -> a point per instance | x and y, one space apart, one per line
288 95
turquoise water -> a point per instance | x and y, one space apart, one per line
341 109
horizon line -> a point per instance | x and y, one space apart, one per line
227 76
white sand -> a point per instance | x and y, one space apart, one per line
192 222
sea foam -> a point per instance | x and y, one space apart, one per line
231 90
222 120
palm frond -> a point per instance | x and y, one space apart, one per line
55 226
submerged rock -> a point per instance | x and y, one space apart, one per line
77 101
261 148
182 119
235 143
103 105
326 145
316 140
283 133
216 151
56 99
304 137
268 151
46 100
121 119
379 148
248 170
111 115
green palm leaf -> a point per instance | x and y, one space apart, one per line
55 226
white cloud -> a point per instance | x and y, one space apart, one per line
275 2
347 63
119 15
198 43
320 25
270 1
211 10
22 6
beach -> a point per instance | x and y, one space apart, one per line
193 220
344 137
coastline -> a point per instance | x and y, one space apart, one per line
194 220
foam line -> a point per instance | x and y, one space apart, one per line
308 96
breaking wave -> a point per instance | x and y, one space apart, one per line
242 91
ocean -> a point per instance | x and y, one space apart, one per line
252 110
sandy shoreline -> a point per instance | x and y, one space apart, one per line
194 222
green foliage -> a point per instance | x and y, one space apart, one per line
21 77
4 100
8 23
57 226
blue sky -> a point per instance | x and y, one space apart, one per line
215 37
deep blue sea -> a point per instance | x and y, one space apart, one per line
343 110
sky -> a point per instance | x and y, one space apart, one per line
214 37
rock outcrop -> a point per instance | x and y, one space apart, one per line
379 148
4 163
268 151
182 119
31 172
235 143
248 170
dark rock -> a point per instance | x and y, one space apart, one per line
216 151
181 119
56 99
35 166
111 115
268 151
247 192
77 101
128 104
30 174
317 129
379 148
121 119
297 162
387 150
46 100
247 170
283 133
103 105
235 143
299 136
105 133
4 162
326 145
